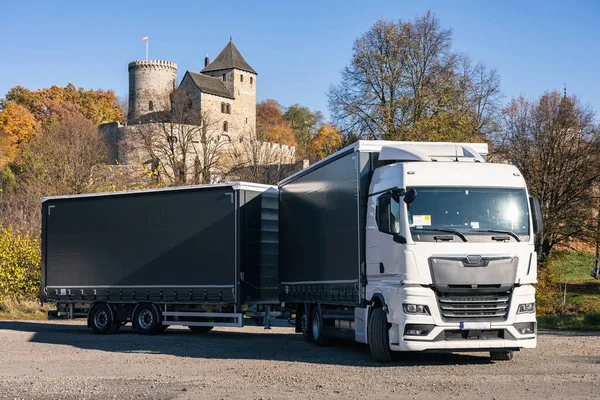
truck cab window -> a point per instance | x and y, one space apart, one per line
394 215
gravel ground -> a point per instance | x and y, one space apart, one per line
64 360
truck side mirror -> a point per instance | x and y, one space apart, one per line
410 195
383 213
536 214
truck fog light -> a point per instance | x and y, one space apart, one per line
526 308
415 309
417 329
525 328
416 332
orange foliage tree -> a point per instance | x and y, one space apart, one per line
327 141
17 128
47 105
271 125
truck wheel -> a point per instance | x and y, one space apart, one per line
146 319
501 355
316 327
305 325
378 336
101 319
200 329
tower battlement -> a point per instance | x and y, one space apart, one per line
158 64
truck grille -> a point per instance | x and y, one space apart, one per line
489 307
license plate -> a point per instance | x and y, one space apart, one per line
478 326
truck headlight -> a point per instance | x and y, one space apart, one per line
526 308
415 309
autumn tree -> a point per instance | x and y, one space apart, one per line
271 125
305 124
555 143
17 128
405 82
47 105
65 158
327 141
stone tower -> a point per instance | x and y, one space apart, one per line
150 84
240 80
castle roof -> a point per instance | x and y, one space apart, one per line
230 57
209 84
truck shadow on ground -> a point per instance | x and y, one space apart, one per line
271 345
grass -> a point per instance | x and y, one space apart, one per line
23 309
581 310
573 266
570 322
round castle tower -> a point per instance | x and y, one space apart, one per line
150 84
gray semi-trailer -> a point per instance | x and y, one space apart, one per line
199 256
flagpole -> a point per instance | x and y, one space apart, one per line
146 49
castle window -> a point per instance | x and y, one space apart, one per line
251 80
228 106
246 119
150 105
241 78
172 139
224 77
225 126
223 107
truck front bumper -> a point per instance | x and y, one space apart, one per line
410 332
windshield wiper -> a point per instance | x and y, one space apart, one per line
457 233
511 233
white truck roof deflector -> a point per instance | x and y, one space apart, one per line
428 151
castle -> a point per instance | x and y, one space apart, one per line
175 127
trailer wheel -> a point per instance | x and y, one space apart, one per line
146 319
101 319
378 336
317 327
305 323
200 329
501 355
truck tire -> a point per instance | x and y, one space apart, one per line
378 336
200 329
101 319
146 319
501 355
305 323
316 327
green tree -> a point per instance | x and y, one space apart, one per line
404 81
305 124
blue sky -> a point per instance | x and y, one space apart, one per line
298 48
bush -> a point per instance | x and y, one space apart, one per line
19 265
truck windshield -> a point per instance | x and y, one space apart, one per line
470 211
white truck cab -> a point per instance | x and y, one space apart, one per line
450 252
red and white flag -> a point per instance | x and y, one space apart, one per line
145 39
